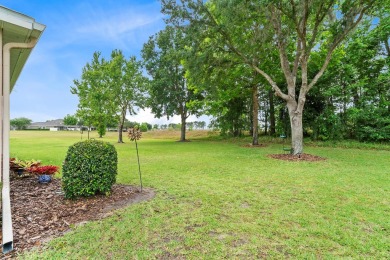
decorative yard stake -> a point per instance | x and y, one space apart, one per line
135 134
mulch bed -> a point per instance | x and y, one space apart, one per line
302 157
40 212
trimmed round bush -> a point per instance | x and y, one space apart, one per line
90 168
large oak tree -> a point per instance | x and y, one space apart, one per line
295 28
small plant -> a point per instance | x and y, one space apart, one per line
43 170
15 163
90 167
135 134
20 166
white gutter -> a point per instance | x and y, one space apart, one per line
1 102
7 219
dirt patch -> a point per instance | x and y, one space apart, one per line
302 157
184 141
254 146
40 212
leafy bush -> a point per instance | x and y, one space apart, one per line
143 127
373 125
90 167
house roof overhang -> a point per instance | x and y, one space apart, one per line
18 35
21 28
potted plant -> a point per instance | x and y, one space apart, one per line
43 172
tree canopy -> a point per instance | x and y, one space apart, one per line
127 84
70 120
108 89
20 123
95 96
169 92
296 29
327 61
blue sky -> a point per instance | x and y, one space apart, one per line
75 29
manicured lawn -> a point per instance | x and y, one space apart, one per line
216 199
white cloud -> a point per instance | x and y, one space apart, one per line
147 116
37 117
119 26
114 26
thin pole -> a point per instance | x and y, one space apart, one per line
139 165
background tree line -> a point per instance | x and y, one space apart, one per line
301 68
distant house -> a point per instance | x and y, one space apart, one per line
53 125
57 124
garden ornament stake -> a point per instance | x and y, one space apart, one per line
135 134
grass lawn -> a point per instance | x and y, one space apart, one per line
216 199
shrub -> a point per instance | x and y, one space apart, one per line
373 125
143 127
90 167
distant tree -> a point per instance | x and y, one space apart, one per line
143 127
168 91
150 127
20 123
95 95
113 123
202 124
127 83
174 126
155 126
190 125
70 120
108 90
130 124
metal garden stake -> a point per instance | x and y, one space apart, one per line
135 134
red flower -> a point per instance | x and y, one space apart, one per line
43 170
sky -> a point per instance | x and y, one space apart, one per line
75 29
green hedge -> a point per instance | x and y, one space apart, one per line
90 167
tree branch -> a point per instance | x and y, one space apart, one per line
276 21
273 84
387 47
298 56
333 46
317 23
230 44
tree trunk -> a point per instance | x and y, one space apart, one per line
296 129
272 113
120 126
255 136
266 119
120 133
183 128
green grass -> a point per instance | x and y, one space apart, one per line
216 199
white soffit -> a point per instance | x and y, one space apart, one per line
18 27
